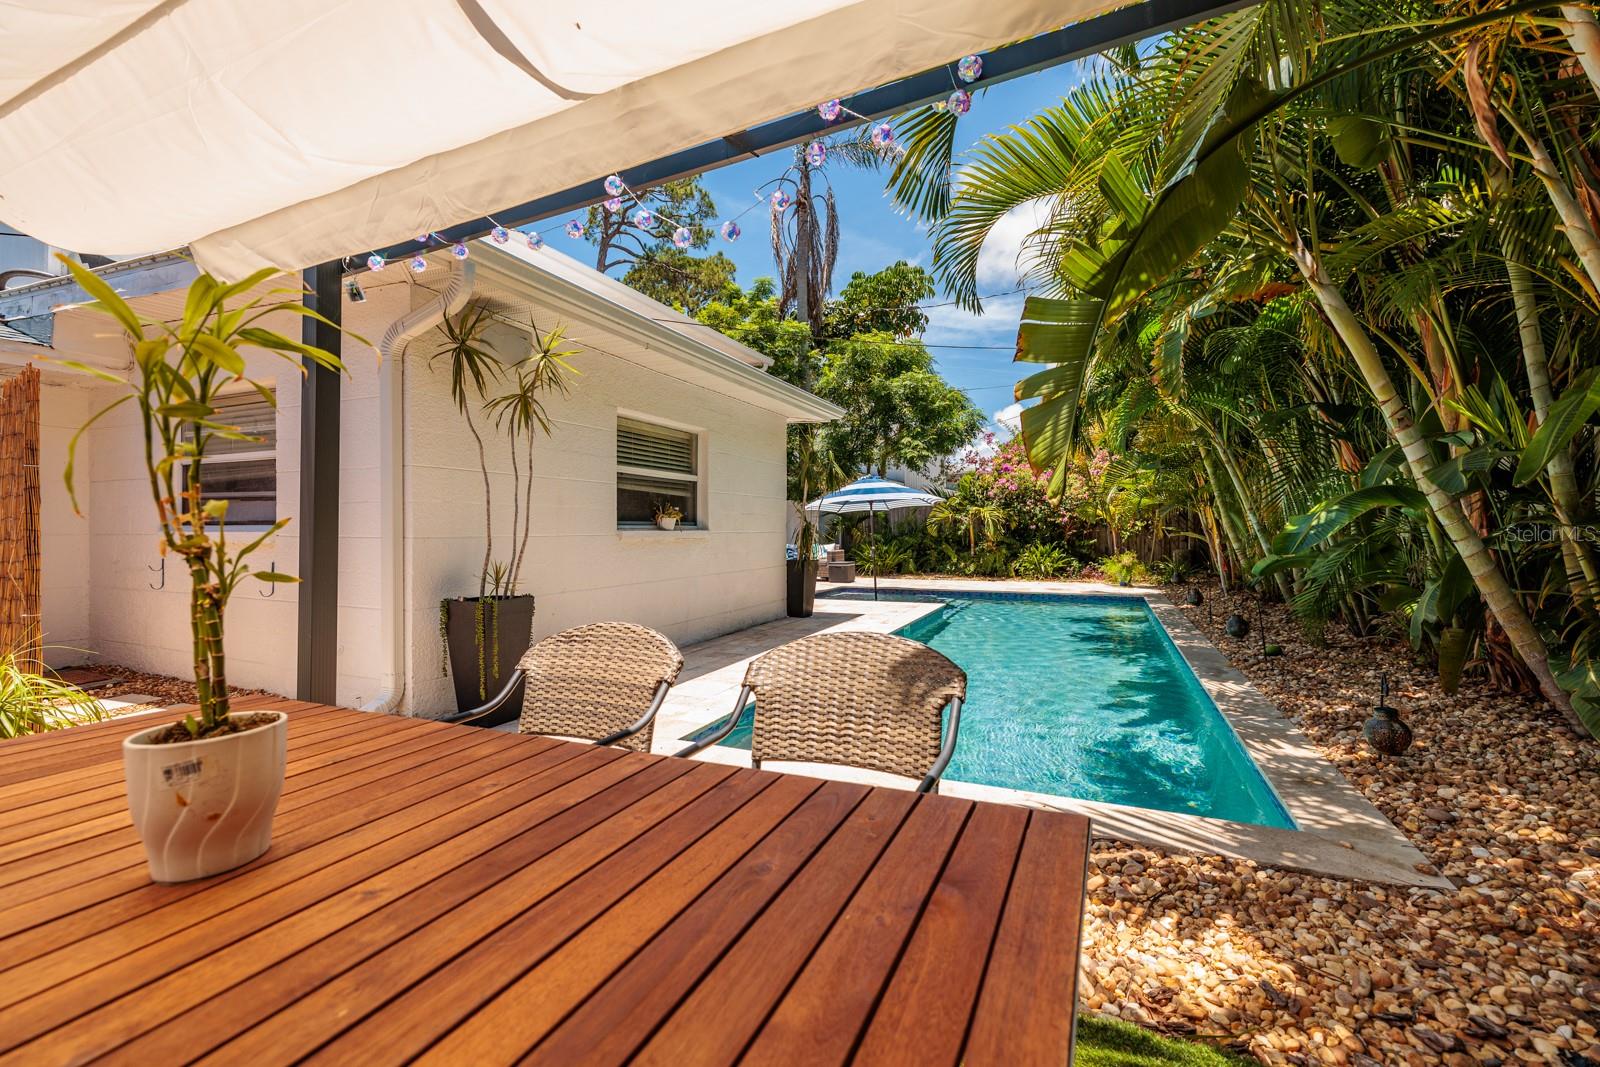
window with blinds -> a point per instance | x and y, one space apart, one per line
656 466
244 473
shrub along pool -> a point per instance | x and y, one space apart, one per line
1086 697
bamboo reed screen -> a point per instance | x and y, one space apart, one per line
19 518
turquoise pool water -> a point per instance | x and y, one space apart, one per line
1086 697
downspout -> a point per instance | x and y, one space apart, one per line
392 475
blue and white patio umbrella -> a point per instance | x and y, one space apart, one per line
871 494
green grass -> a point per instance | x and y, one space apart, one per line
1108 1043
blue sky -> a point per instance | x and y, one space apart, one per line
973 352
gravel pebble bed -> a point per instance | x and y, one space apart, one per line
167 691
1300 969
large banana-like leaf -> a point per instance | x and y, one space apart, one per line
1453 645
1048 382
1060 332
1582 680
1359 141
1271 564
1441 599
1057 331
1451 475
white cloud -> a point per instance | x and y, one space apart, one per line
1005 258
1008 418
997 325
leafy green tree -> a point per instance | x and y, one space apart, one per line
677 279
620 243
898 410
752 318
805 238
886 301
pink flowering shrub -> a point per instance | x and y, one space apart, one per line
1006 479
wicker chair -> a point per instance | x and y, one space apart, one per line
857 699
603 683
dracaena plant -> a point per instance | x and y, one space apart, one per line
179 370
475 370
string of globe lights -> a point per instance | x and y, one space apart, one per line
968 70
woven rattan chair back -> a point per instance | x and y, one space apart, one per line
855 699
592 681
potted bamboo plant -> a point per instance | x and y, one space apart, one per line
202 791
485 635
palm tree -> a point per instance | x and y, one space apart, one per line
805 239
1279 144
955 514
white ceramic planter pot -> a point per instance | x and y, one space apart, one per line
202 807
666 524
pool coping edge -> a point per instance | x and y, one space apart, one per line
1339 831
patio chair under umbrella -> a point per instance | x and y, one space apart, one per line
868 494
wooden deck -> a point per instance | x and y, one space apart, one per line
463 896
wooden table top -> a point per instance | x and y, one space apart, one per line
457 895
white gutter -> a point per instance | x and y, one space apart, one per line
392 475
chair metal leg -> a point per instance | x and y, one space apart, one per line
655 706
733 721
471 716
931 782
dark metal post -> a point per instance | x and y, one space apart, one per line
318 643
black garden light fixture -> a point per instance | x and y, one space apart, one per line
1387 735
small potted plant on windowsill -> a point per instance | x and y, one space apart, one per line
667 516
201 791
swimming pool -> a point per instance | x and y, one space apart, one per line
1082 696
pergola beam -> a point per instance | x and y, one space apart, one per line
1134 23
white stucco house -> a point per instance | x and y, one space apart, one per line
411 510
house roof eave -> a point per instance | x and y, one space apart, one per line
590 302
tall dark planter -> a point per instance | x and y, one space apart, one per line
508 624
802 587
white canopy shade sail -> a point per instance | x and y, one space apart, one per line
296 132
